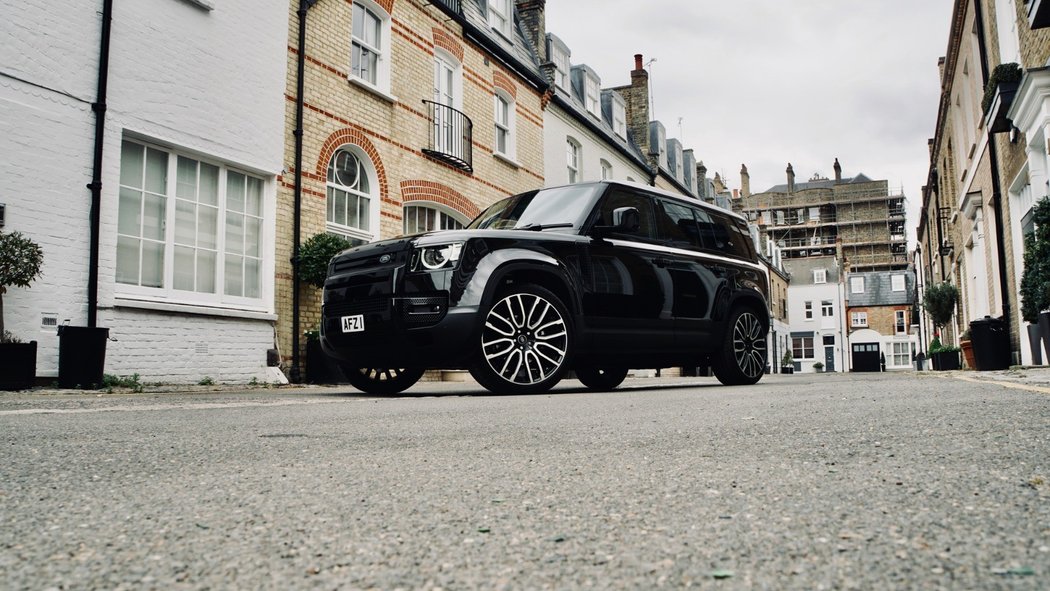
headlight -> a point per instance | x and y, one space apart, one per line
434 258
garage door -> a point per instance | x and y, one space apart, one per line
865 357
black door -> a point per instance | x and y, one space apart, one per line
628 300
866 357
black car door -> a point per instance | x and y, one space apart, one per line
627 300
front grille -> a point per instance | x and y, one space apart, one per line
375 255
370 305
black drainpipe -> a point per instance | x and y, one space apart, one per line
99 107
993 160
304 5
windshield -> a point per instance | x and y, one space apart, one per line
561 206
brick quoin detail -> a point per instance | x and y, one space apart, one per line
355 137
501 81
438 193
445 41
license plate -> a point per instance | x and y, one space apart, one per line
354 323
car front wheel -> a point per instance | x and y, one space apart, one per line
526 341
742 358
383 381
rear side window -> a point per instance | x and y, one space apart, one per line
721 235
676 225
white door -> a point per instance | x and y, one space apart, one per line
444 94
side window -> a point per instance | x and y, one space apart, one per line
721 234
620 198
675 224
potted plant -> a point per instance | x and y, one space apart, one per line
314 256
966 345
20 263
939 301
818 367
1035 281
999 95
787 363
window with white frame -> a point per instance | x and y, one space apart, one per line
189 229
897 282
802 347
607 172
827 308
820 276
900 322
572 159
856 285
419 218
560 58
591 95
350 194
901 354
809 310
500 16
619 119
369 52
504 117
858 319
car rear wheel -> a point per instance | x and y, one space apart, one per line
601 379
741 360
385 381
526 342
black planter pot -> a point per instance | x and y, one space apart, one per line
81 356
1035 344
17 365
787 369
1044 332
946 361
320 368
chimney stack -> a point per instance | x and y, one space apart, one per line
838 171
701 180
791 178
636 102
745 181
533 20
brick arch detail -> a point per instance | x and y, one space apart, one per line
438 193
352 136
501 81
387 5
447 42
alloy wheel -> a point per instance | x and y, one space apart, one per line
749 345
525 340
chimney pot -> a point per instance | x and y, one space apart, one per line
637 61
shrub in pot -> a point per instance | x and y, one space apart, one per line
1035 281
314 256
20 262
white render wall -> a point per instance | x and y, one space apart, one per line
557 126
797 296
206 82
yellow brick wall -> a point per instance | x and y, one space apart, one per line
394 132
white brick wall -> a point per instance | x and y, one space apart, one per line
209 82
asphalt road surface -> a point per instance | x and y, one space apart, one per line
878 481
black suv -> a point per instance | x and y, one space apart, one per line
597 277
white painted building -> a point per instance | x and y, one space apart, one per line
192 151
816 306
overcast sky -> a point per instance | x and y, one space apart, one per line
767 82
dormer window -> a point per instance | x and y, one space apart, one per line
500 16
619 119
591 100
820 276
559 55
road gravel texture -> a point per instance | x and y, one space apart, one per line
881 481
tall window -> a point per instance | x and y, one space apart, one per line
607 172
448 92
827 309
572 157
900 324
560 57
426 218
809 310
350 197
189 229
500 16
591 95
369 40
901 354
504 117
619 119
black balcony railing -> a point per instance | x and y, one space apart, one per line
451 133
452 5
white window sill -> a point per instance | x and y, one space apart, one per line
201 310
506 159
374 90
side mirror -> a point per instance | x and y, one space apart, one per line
626 219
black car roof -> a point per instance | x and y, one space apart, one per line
662 193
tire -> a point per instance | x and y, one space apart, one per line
741 359
525 344
382 381
601 379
